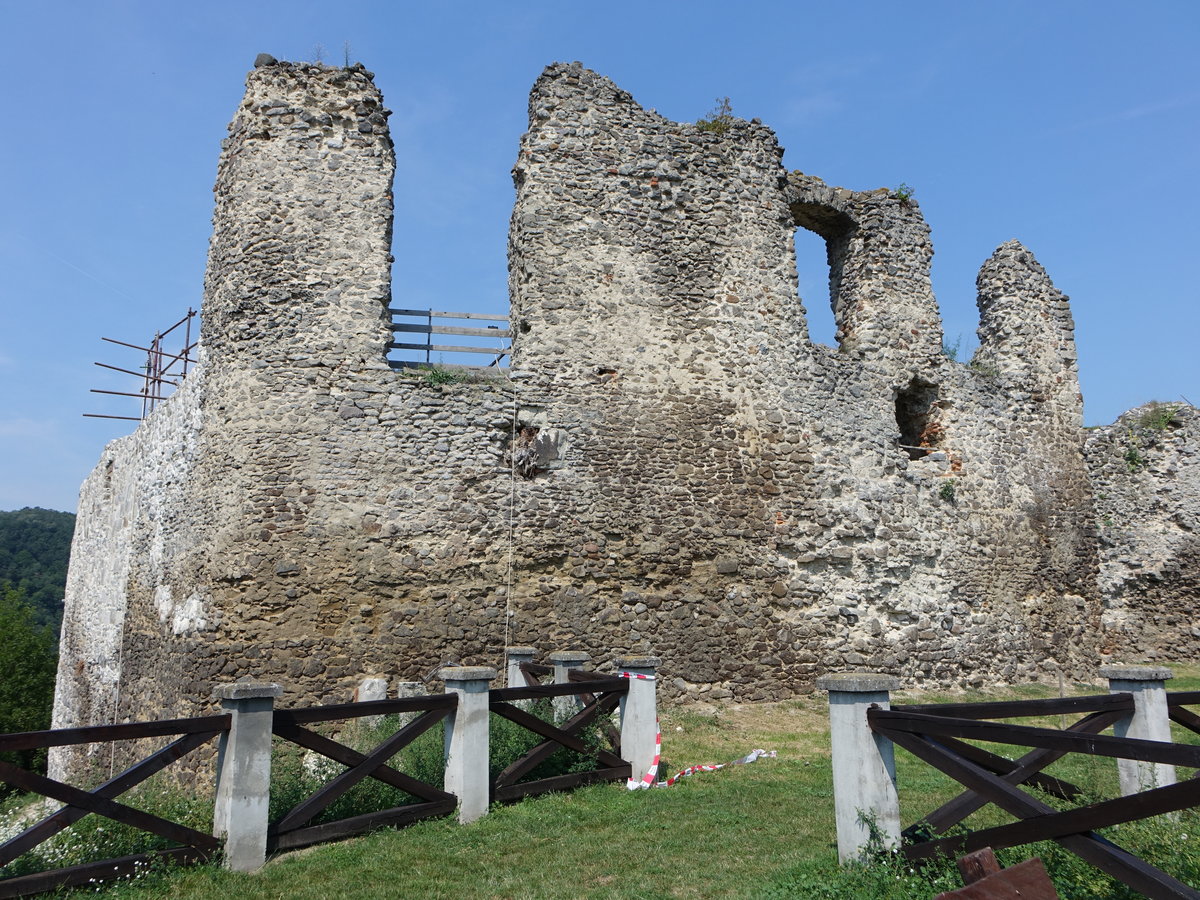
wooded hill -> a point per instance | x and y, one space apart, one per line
35 545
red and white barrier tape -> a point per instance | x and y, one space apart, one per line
649 780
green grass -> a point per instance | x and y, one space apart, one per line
764 830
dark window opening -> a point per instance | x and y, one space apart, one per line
916 405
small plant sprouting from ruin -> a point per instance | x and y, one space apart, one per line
947 491
346 54
950 350
434 375
988 370
1157 416
1133 455
903 192
318 53
719 119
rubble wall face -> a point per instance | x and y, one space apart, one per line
1145 469
672 467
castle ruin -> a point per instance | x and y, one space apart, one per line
698 478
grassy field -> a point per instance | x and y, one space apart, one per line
761 830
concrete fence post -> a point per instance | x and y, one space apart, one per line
864 763
1150 722
514 656
639 713
467 775
406 689
373 687
244 773
564 662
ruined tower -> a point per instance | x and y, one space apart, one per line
671 466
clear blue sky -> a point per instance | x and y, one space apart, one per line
1071 126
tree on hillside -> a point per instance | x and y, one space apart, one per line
35 546
28 661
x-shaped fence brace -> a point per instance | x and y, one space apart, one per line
600 696
934 735
197 845
290 831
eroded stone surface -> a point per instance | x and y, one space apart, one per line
679 471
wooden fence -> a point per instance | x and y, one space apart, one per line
939 735
489 341
245 731
195 846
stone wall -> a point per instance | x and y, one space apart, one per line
672 466
1146 471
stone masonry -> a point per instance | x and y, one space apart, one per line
672 466
1145 470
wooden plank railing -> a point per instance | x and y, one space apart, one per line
195 846
252 705
293 830
938 734
425 325
599 695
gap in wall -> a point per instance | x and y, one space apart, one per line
812 267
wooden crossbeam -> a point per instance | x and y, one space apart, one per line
451 329
565 736
1022 771
106 870
118 812
1184 717
444 348
509 793
347 756
441 314
1080 820
332 831
596 685
311 714
96 734
1048 738
1016 709
305 811
1093 849
131 777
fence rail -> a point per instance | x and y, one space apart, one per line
196 846
599 696
242 832
422 322
1137 709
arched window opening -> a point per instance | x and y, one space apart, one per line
916 405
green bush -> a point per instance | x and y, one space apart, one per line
28 662
1157 416
719 119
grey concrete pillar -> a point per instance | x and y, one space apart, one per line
467 776
409 689
639 713
864 763
244 773
371 688
564 661
1149 721
514 656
